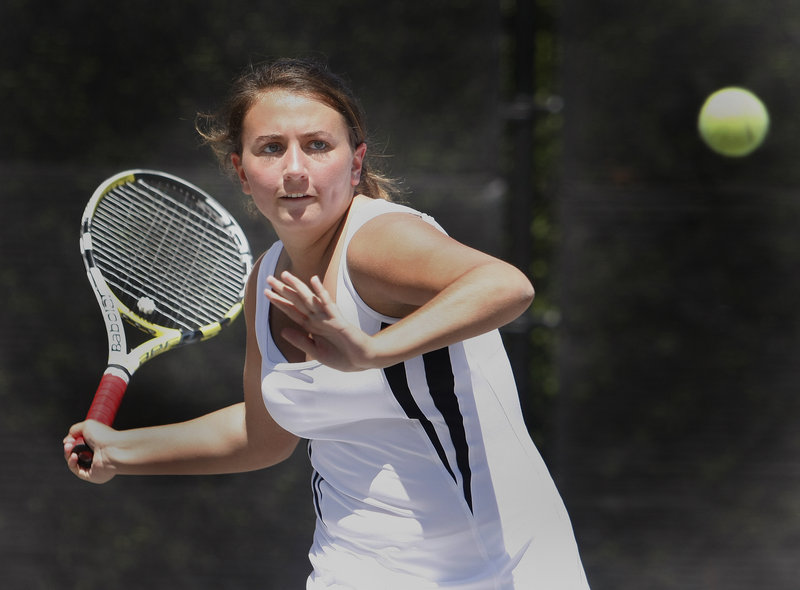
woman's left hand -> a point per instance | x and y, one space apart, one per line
325 336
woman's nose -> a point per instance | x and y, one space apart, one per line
294 163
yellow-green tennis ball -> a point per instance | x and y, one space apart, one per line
733 122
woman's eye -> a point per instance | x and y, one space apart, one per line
271 148
318 145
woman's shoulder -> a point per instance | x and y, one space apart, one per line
380 212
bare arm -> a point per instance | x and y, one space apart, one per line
240 437
402 267
445 291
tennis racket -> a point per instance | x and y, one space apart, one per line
166 257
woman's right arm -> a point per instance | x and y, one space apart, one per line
241 437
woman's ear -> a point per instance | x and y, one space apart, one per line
358 163
236 160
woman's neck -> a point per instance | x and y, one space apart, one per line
306 256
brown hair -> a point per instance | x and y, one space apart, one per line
223 131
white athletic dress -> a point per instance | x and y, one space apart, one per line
424 473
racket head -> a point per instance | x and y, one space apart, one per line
166 256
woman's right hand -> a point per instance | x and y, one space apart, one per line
98 436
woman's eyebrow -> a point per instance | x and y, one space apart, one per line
277 136
269 137
320 133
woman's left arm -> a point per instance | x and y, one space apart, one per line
403 267
445 291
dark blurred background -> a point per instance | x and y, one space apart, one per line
658 366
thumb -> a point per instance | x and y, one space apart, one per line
300 340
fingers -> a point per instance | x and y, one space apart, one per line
286 306
72 464
99 471
75 435
76 429
321 292
69 441
300 301
72 458
302 341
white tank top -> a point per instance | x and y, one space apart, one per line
424 473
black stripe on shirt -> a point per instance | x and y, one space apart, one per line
441 384
398 383
316 482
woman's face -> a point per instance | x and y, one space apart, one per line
297 162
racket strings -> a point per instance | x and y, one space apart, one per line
170 246
206 222
182 249
146 271
183 239
189 301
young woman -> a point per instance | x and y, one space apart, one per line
373 335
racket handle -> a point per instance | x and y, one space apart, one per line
103 409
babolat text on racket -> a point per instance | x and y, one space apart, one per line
164 256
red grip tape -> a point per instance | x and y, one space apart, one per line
107 399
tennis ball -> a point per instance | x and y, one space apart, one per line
733 122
